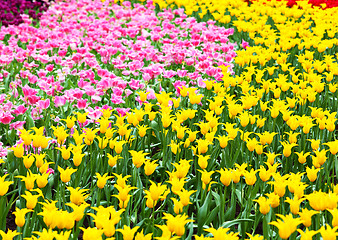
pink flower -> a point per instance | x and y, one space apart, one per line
50 67
201 82
36 113
17 125
2 98
3 151
128 92
117 99
6 117
50 171
122 111
245 44
182 73
44 104
59 101
20 110
94 114
118 91
82 103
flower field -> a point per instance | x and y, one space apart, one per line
169 120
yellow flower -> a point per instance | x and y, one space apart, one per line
264 205
141 236
306 216
274 199
78 137
127 232
32 200
9 235
29 180
20 216
328 233
156 191
77 195
18 150
77 158
101 180
203 161
138 157
174 147
287 226
176 224
294 204
225 176
65 174
250 177
254 237
204 127
4 185
320 158
103 142
264 174
314 143
279 187
142 130
149 167
178 206
122 129
302 156
312 173
308 235
334 213
251 144
118 146
60 133
26 137
65 152
81 117
219 234
28 161
70 121
287 148
39 159
182 168
185 196
143 95
205 177
223 140
112 159
91 233
42 180
44 167
176 184
123 195
90 135
78 210
106 112
271 157
202 145
333 145
104 124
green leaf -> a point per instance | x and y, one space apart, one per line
203 211
29 121
212 215
236 221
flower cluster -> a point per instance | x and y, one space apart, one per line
318 3
15 12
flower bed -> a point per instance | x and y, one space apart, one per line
128 121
